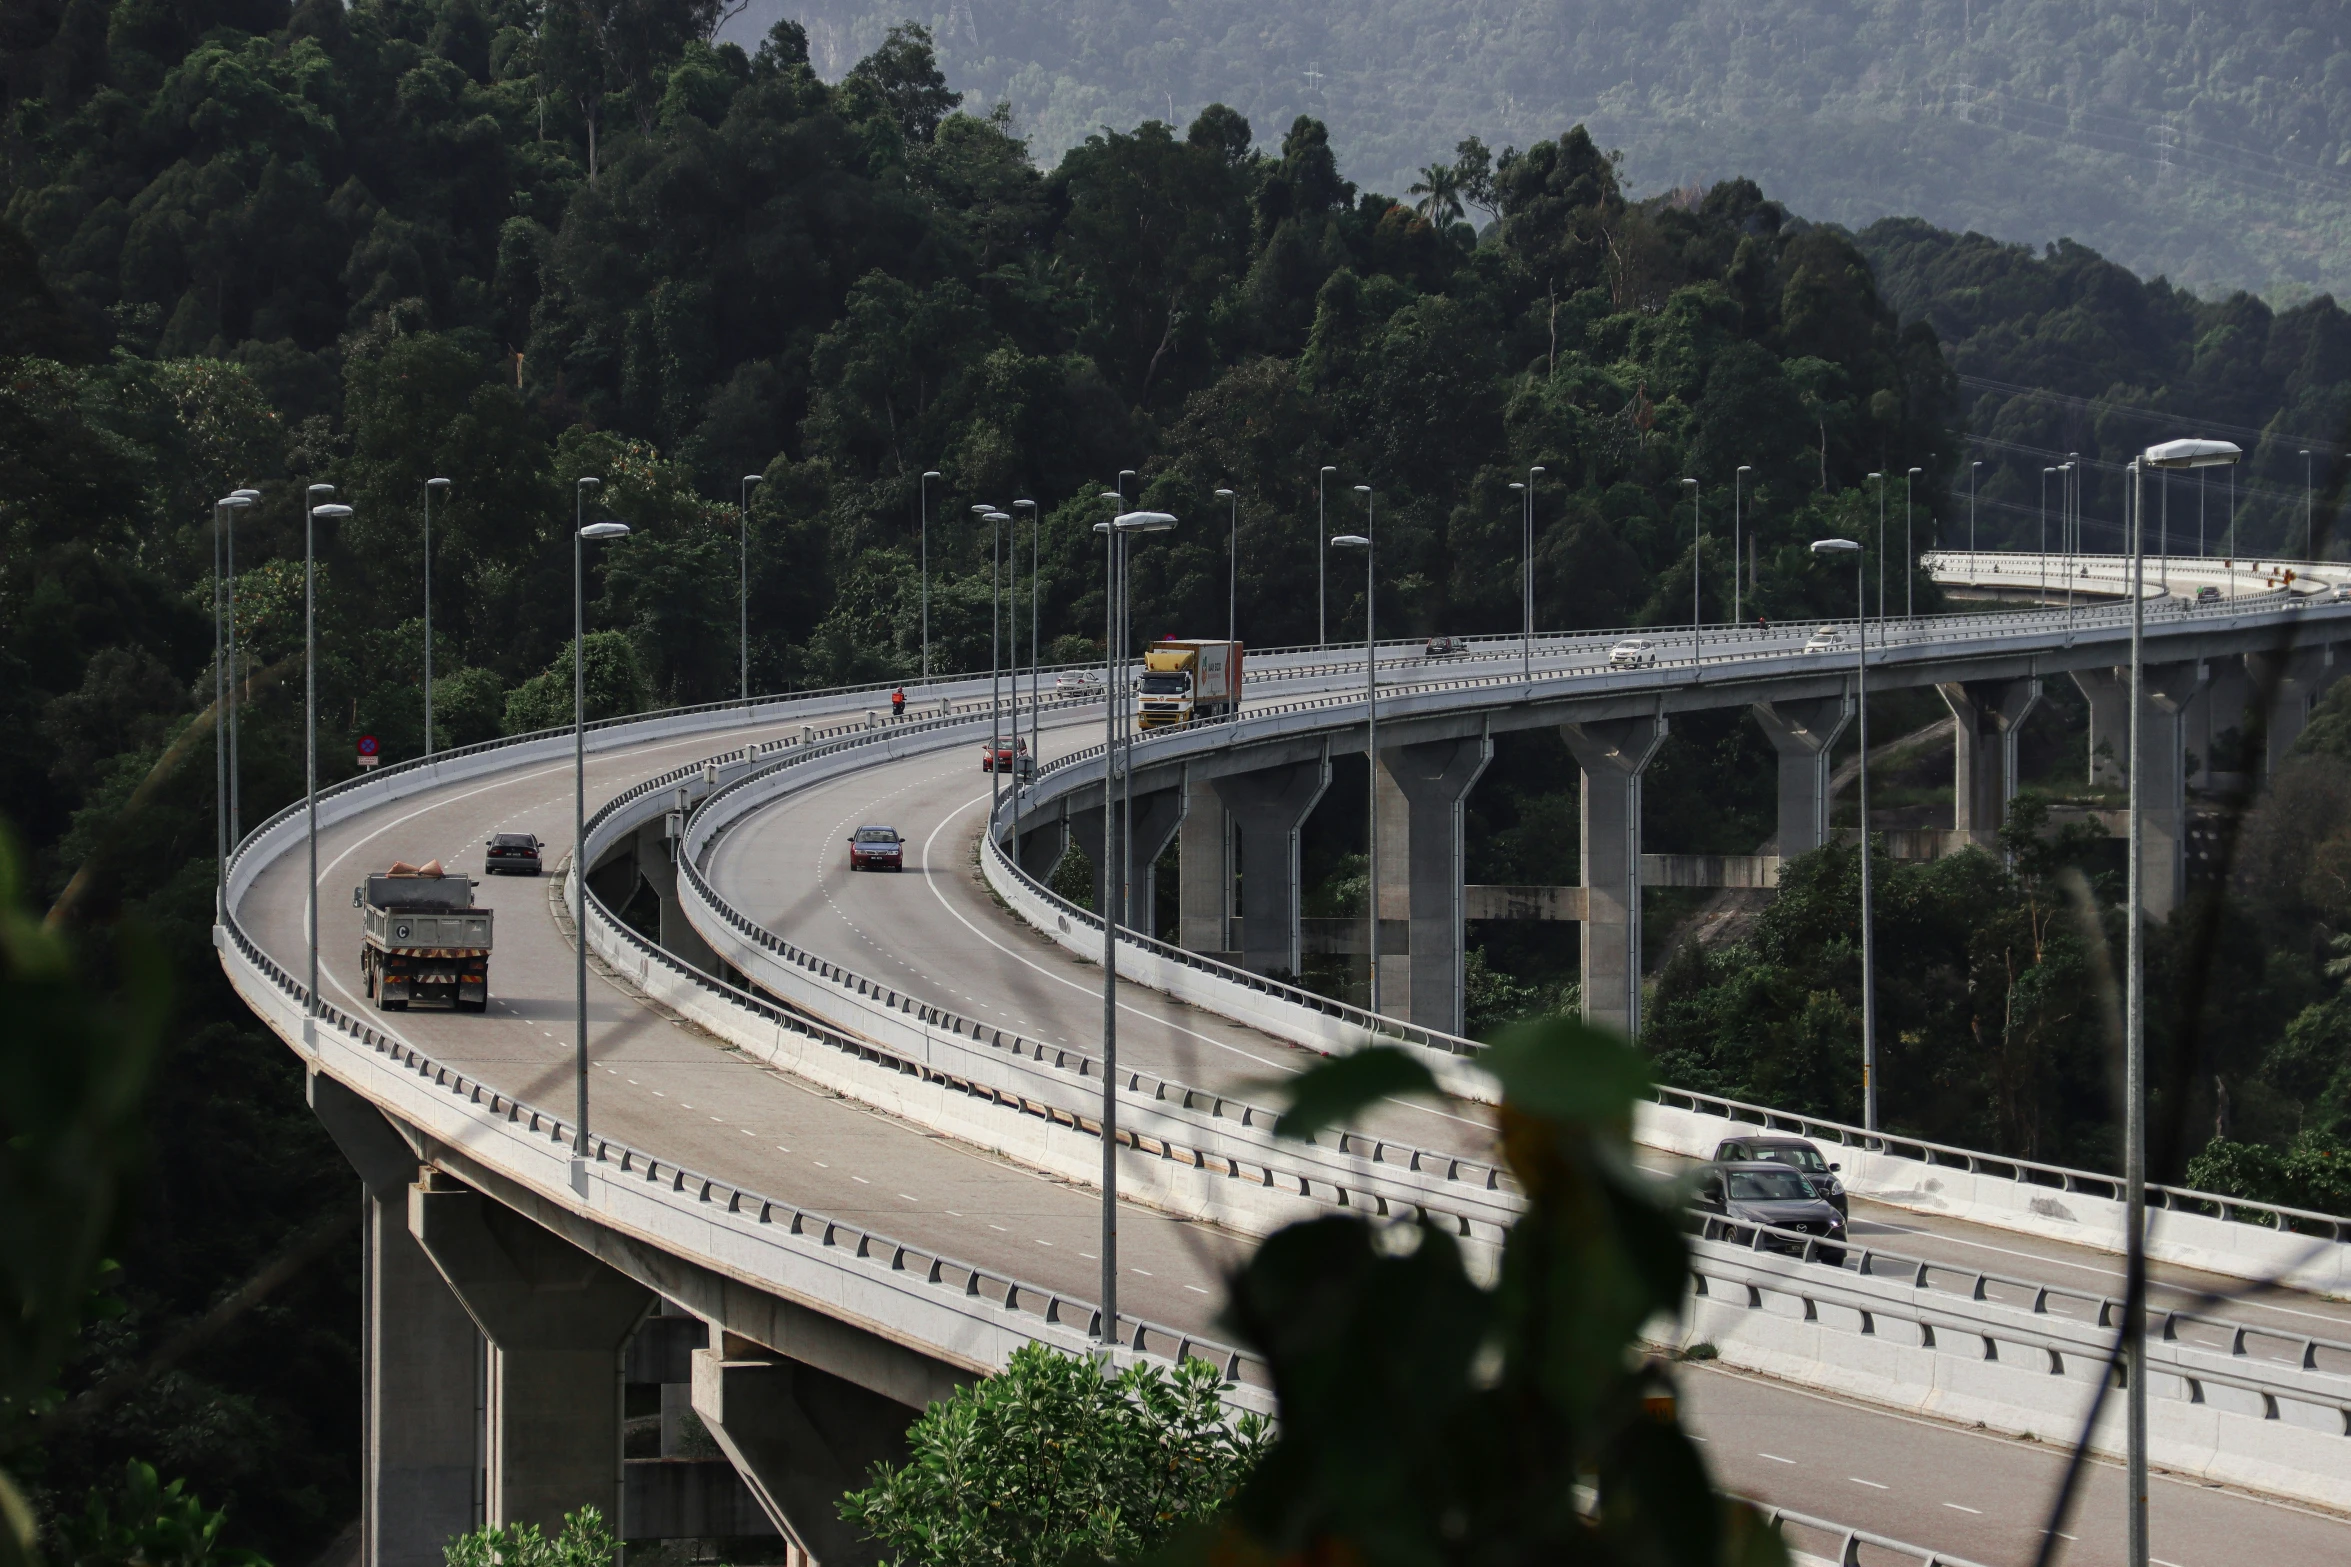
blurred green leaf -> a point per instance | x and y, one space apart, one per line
1565 1070
1344 1086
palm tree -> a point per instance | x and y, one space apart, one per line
1439 190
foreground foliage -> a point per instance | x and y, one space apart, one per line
1055 1459
585 1541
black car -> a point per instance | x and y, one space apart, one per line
516 853
1794 1152
1765 1192
877 849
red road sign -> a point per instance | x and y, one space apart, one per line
367 745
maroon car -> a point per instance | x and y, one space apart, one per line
877 849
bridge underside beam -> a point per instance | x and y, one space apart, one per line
800 1438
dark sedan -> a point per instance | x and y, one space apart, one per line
877 849
1761 1192
511 853
1796 1154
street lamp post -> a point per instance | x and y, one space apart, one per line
1117 739
1738 536
1526 583
1697 613
1371 707
1910 550
2043 568
239 500
1869 952
311 512
1881 484
995 521
743 582
581 532
222 684
2169 456
1232 590
926 576
2309 514
1322 592
1972 469
1036 661
430 485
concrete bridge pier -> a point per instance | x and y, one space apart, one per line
420 1355
2107 691
2169 690
2301 678
1613 753
556 1319
1804 733
1156 817
1422 791
1041 847
800 1437
657 863
1266 809
1988 715
1204 857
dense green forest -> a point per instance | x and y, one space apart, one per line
2206 142
514 245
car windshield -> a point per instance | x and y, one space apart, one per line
1768 1186
513 840
1803 1156
1165 684
877 835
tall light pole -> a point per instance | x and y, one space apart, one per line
2044 552
1322 553
1526 585
311 512
1881 484
1972 469
926 577
1232 590
430 485
1910 550
1738 535
220 748
1697 614
1117 739
1869 950
1036 526
743 583
239 500
995 521
582 531
2167 457
2309 514
1371 707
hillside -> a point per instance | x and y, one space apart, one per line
2205 143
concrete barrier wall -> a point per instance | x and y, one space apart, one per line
2231 1248
2227 1419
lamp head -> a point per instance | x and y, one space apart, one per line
1143 522
1514 484
932 474
1975 465
755 478
322 489
2193 453
1024 505
1351 541
1915 472
605 530
993 515
982 509
1126 473
1363 489
1877 476
1692 483
1835 547
1328 469
588 484
1108 495
1746 467
436 484
1224 495
330 511
235 500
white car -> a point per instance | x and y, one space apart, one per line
2342 592
1077 680
1828 639
1633 653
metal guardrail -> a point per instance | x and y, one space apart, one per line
1850 1540
1002 1290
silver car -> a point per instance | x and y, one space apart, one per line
1632 653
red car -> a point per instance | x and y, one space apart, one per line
877 849
1013 759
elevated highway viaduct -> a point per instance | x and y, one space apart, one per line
803 1257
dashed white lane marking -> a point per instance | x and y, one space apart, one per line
1195 1289
1955 1507
1872 1484
1775 1458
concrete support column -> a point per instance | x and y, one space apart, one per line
1429 785
2163 783
657 864
2108 693
1804 734
556 1319
1987 715
1267 808
799 1437
1157 816
1394 954
420 1356
1042 846
1204 852
2301 678
1613 753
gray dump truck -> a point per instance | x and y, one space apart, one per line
422 939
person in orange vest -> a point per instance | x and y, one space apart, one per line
897 704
